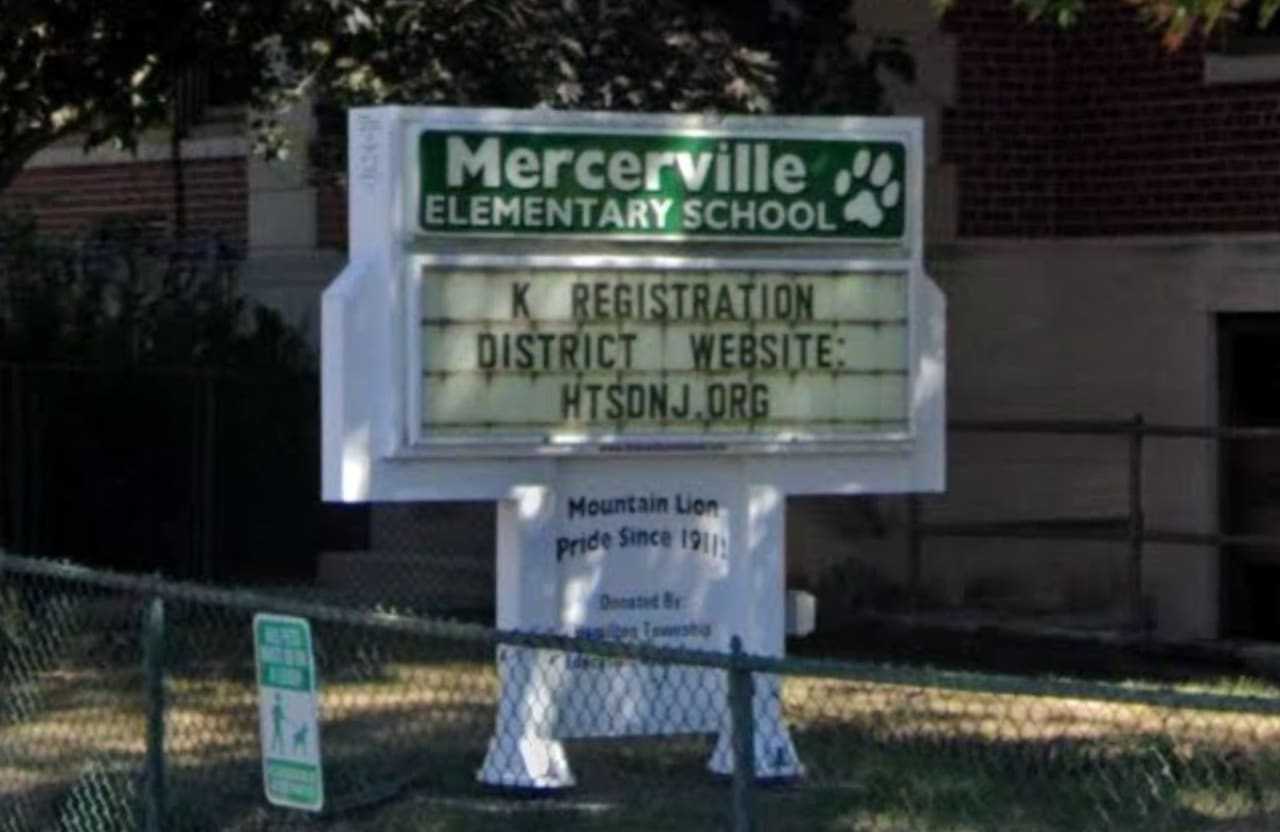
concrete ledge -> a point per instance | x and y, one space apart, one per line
62 156
1259 68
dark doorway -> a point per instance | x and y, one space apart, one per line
1249 482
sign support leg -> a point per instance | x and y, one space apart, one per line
764 583
523 754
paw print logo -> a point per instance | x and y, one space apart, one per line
873 194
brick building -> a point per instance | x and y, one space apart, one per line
1103 222
1104 216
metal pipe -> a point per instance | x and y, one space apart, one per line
741 691
153 675
1137 525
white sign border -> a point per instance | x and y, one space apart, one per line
367 453
418 443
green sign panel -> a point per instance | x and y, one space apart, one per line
660 186
288 712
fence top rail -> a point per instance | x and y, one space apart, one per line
191 371
1097 427
256 601
1051 426
843 670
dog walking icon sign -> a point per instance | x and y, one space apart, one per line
287 711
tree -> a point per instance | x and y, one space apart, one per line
1177 20
118 298
109 70
729 56
672 55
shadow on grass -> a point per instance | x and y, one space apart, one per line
860 781
661 785
404 756
425 781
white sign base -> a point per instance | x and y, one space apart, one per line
681 553
774 752
522 753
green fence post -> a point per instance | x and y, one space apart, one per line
741 692
153 675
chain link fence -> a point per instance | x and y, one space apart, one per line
131 703
429 558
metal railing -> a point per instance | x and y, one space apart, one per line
1130 528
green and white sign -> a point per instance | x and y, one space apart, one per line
671 185
287 711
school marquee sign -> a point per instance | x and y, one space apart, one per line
638 334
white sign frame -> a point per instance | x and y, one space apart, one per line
417 444
371 451
369 447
